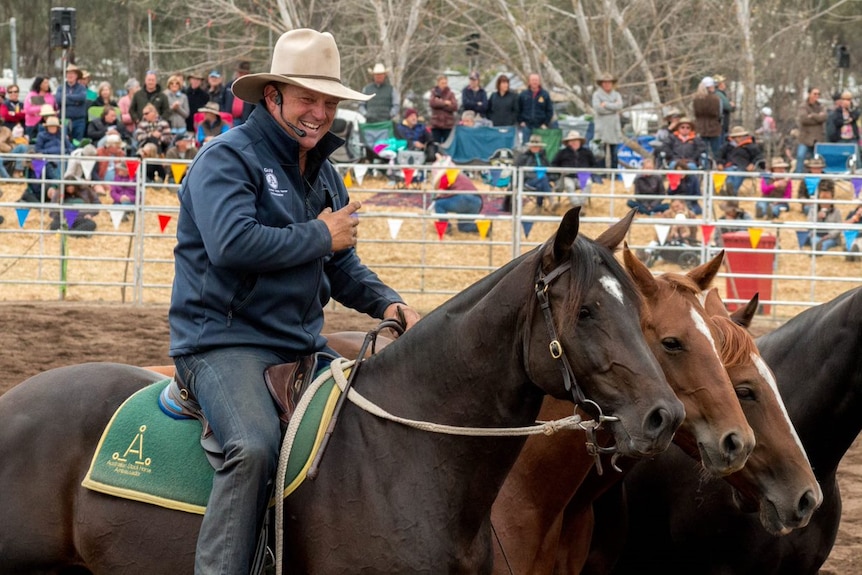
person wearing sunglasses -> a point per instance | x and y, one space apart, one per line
12 108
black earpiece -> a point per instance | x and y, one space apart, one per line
277 98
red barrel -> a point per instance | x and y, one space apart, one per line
759 261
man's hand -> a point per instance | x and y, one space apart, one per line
343 225
411 316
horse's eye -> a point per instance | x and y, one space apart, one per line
671 344
584 313
743 392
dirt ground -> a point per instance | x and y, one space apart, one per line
41 336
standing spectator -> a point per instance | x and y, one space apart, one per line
104 96
86 77
843 120
607 105
125 104
236 107
212 125
75 95
811 118
386 103
503 104
775 187
151 93
107 120
153 129
727 105
649 191
824 211
40 94
536 180
443 105
707 115
197 97
12 108
575 154
215 88
535 109
178 105
739 154
416 134
473 96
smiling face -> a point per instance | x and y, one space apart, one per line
310 111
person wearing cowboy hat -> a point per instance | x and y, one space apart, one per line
236 107
535 180
53 141
386 104
814 167
776 190
608 105
212 125
731 211
197 96
575 154
739 154
687 151
727 106
75 95
663 135
265 237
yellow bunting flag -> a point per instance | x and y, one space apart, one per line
754 236
718 180
348 181
484 226
178 170
451 174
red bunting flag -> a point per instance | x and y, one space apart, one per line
441 228
163 222
408 175
133 167
673 180
706 230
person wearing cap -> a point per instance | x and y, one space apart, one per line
843 120
473 97
443 104
776 189
739 154
215 87
239 109
537 179
386 104
503 104
212 125
416 134
575 154
811 118
706 106
535 108
184 148
730 211
150 93
451 201
39 95
608 105
266 235
727 106
196 95
75 95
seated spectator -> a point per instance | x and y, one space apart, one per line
814 167
12 108
503 104
154 172
661 145
854 216
456 203
678 234
98 128
114 151
123 189
575 154
647 185
731 211
824 211
178 105
213 125
49 142
74 191
125 103
775 187
468 119
416 134
536 180
184 148
688 151
739 154
153 130
9 145
78 168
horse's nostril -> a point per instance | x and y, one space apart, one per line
657 420
732 445
807 504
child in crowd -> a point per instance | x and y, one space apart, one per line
774 188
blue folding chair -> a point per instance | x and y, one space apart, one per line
839 158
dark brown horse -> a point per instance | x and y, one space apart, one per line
388 498
529 508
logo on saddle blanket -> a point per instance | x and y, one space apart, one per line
147 456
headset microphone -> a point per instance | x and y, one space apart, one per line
278 100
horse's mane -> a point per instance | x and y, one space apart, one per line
736 344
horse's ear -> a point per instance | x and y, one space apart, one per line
567 234
639 273
744 315
705 273
713 304
612 237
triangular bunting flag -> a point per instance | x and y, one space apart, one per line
857 185
541 172
484 226
802 237
88 166
38 165
163 222
394 227
849 238
451 176
359 172
528 226
71 216
662 230
718 181
754 236
441 228
116 217
408 175
178 171
673 180
133 167
348 181
706 231
22 215
811 183
628 179
583 178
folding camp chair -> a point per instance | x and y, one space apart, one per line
373 134
840 158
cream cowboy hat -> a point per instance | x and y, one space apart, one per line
574 135
305 58
606 77
378 69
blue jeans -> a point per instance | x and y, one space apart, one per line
229 386
774 208
714 145
460 204
822 243
541 184
78 128
802 153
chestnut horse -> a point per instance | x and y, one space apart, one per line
388 498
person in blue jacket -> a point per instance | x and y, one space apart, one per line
75 95
266 236
535 108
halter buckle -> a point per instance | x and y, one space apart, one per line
556 349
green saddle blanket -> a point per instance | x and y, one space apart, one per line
148 456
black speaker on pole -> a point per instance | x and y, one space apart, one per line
62 27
